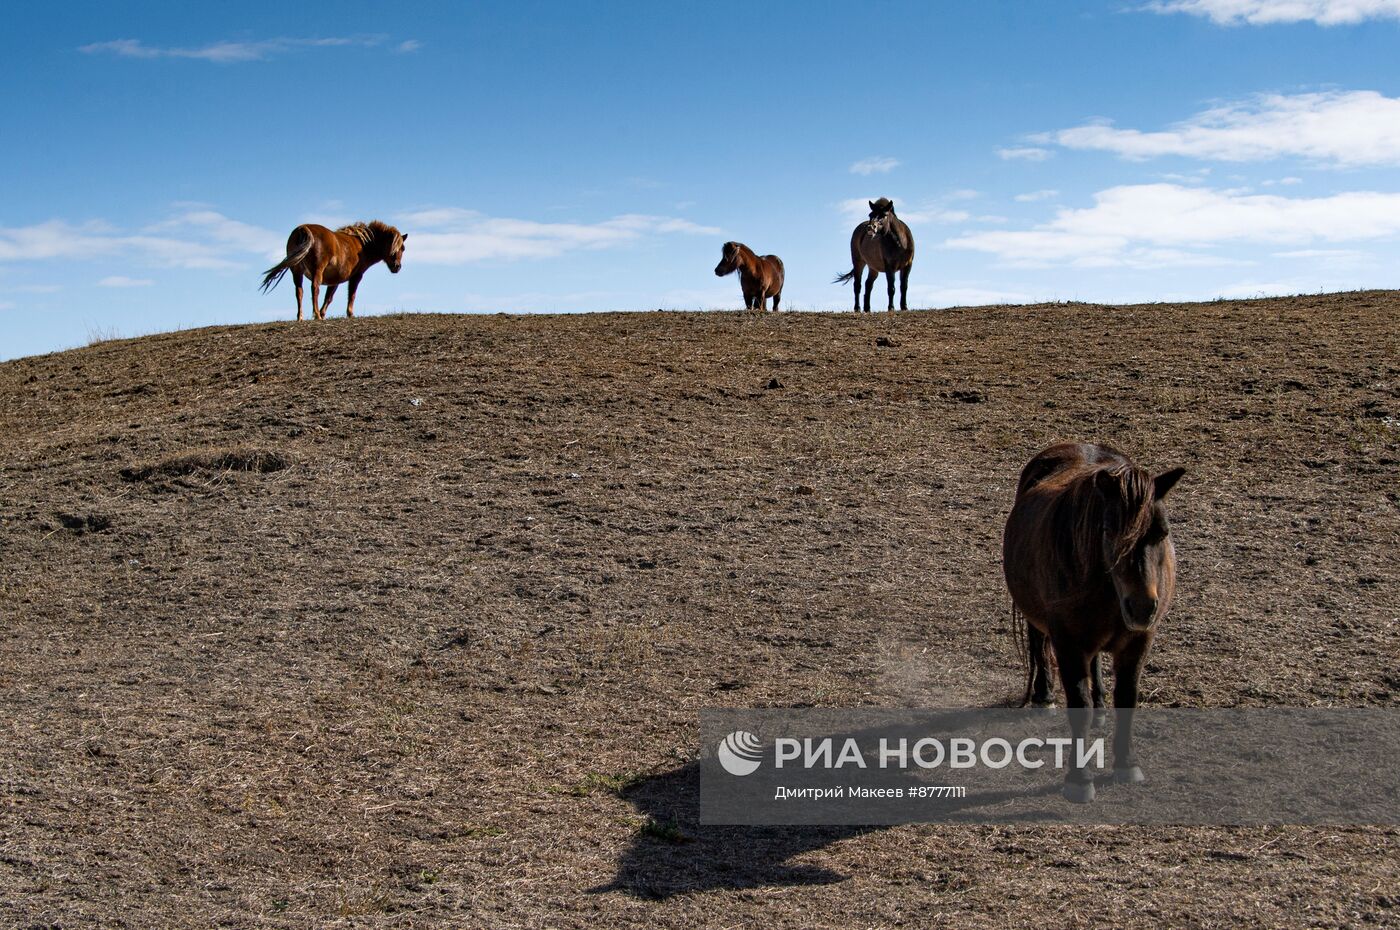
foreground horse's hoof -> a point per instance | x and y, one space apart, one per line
1043 705
1078 792
1132 775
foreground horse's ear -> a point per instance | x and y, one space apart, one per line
1165 482
404 237
872 205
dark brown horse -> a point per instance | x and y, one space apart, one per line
333 258
760 276
1089 562
884 243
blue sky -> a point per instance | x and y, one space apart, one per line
568 156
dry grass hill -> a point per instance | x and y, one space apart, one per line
405 621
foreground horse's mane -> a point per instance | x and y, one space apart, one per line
1116 497
368 232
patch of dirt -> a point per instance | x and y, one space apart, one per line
445 670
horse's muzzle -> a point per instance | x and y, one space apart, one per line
1139 613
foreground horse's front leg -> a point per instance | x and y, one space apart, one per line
889 280
315 298
777 297
1127 669
870 286
1074 674
296 279
904 288
330 294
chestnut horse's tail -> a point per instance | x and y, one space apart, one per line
295 254
846 278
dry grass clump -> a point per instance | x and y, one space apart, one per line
210 461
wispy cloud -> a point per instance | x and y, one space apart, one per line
858 208
926 296
1343 129
200 239
1166 225
121 280
876 165
232 51
1265 12
454 236
1024 153
1033 196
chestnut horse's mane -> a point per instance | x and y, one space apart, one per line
369 232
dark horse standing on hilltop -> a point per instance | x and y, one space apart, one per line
332 258
1089 562
760 276
884 243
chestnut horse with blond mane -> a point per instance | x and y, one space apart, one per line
760 276
333 258
1090 566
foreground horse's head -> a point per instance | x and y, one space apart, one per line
381 238
730 258
1135 539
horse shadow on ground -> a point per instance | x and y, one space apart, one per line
675 854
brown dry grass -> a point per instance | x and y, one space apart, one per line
404 622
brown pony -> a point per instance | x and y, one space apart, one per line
760 277
884 243
1089 562
332 258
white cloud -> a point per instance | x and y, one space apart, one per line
453 236
120 280
225 232
876 165
229 52
857 209
1033 196
964 297
1162 225
200 239
1263 12
1024 153
1344 128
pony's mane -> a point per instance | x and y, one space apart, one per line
371 231
1123 495
1112 497
741 248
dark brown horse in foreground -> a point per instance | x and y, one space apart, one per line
885 244
332 258
1089 562
760 276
